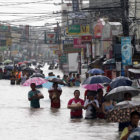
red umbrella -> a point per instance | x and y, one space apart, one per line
20 63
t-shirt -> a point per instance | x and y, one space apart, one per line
76 112
124 132
34 102
89 113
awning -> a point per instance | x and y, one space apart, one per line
96 61
136 71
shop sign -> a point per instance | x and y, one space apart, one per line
86 38
50 38
78 43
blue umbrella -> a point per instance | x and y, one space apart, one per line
50 77
120 81
95 71
97 79
135 135
48 85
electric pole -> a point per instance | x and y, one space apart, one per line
125 16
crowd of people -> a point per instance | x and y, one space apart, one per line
94 103
72 80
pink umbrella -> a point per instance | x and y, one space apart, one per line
36 80
94 87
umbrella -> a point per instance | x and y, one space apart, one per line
28 69
126 104
118 93
58 81
121 115
9 67
48 85
19 63
36 80
92 87
109 61
50 77
95 71
120 81
96 80
37 75
7 61
135 134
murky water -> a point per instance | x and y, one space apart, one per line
19 122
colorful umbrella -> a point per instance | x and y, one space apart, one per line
98 79
118 93
92 87
36 80
135 134
95 71
120 81
121 115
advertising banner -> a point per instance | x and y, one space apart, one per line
50 38
74 29
126 51
86 38
98 29
78 43
78 30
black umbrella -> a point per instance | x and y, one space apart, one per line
9 67
118 93
58 81
37 75
120 81
97 80
28 69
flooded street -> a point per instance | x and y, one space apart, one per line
19 122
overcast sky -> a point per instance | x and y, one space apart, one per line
32 12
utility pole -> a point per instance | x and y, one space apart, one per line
125 16
75 6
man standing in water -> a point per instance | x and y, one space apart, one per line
76 105
34 96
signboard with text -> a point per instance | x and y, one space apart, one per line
126 51
78 43
50 38
86 38
78 30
